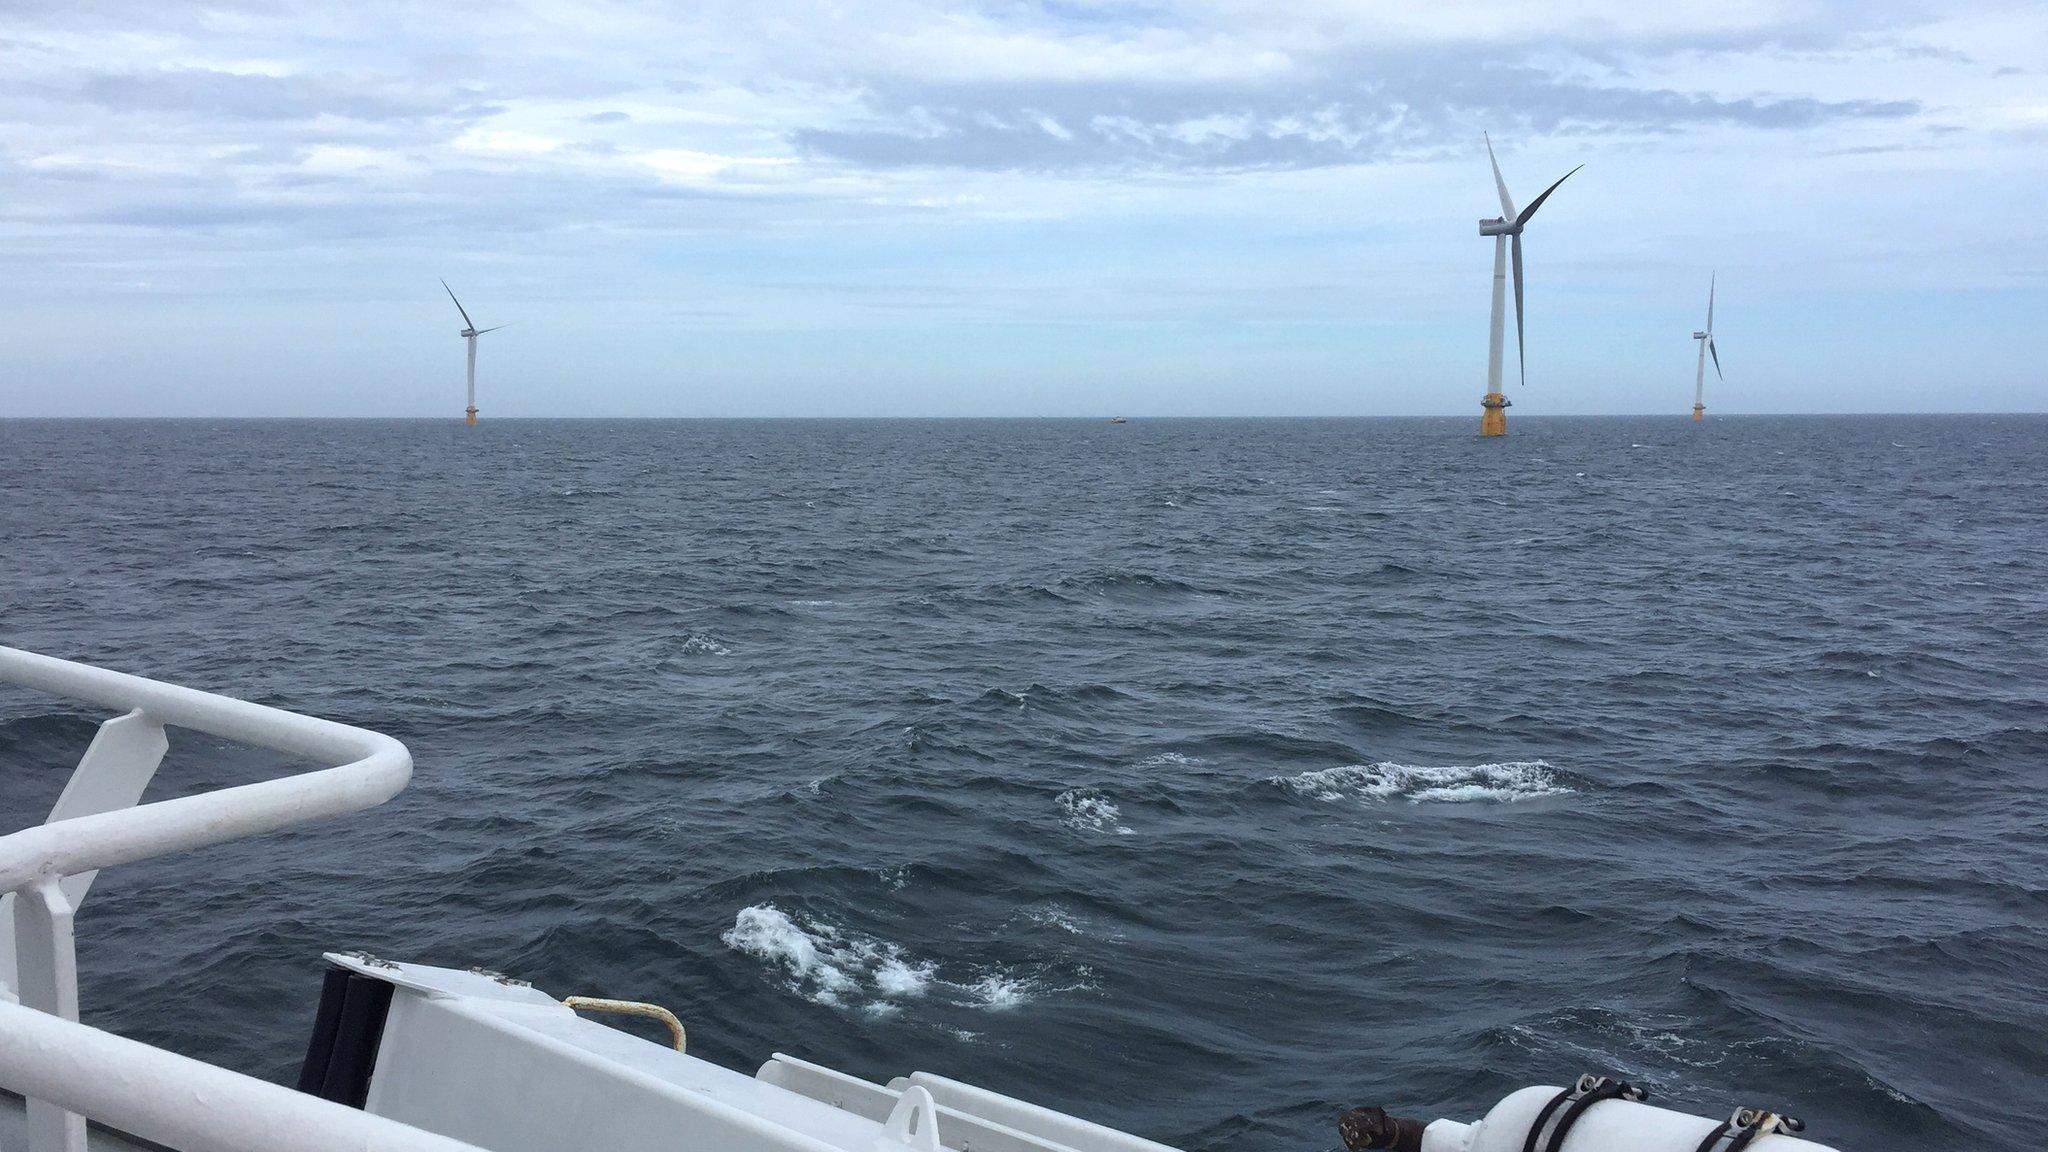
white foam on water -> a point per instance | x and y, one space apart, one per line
766 931
898 977
1085 810
1001 992
840 968
1054 916
1385 781
705 646
1165 758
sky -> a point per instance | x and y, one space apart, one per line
1069 207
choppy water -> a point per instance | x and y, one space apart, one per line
1199 777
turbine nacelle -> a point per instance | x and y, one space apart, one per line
1499 227
1703 335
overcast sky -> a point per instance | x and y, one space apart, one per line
902 207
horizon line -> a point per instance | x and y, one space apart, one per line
1685 415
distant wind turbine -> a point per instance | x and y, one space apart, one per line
1506 232
469 332
1706 339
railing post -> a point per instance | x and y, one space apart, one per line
48 975
115 769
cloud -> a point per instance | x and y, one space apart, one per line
1364 110
247 96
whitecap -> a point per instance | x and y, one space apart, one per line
896 976
704 646
840 968
1165 758
1507 782
766 931
1001 992
1085 810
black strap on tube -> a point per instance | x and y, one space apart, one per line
1548 1130
1745 1125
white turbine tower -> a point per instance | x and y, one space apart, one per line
1706 339
1507 234
469 332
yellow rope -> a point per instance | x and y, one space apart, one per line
632 1008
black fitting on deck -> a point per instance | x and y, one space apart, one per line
1371 1128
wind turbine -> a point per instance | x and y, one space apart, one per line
469 332
1506 232
1706 339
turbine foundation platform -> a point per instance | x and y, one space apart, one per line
1699 412
1493 420
470 416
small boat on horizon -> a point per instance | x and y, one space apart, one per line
1118 420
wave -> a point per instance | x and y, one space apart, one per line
697 644
1505 782
1086 810
841 968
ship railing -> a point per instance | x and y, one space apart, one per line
67 1071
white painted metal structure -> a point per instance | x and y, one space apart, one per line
467 1061
499 1064
46 871
1507 237
1706 341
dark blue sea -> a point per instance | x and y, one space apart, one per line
1199 777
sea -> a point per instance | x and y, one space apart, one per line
1199 777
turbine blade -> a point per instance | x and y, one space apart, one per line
1716 354
1710 301
1538 202
1521 345
466 321
1507 206
481 331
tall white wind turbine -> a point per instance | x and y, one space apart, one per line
469 332
1706 339
1507 236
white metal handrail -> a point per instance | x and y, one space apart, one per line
98 822
181 1102
368 769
